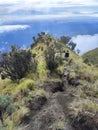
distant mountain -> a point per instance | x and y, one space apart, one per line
92 56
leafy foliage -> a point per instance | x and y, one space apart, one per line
15 64
1 126
86 60
51 61
6 106
36 99
25 86
65 39
72 45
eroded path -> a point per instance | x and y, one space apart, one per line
54 113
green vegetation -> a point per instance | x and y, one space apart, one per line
15 64
67 40
51 61
91 57
60 125
6 107
1 126
33 77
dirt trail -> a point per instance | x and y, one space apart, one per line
55 110
65 98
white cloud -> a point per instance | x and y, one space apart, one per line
85 2
59 16
6 18
86 42
17 10
8 28
23 47
2 49
18 18
16 5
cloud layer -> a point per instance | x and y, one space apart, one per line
8 28
86 42
20 10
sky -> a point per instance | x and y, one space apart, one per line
18 14
18 11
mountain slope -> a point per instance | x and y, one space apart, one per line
62 99
92 56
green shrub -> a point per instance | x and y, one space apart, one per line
41 69
26 84
34 67
1 126
19 115
15 64
86 60
24 87
36 99
51 61
59 60
52 65
6 106
5 100
12 108
84 114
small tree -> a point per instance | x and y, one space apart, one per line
65 39
34 39
72 45
15 64
78 51
86 60
51 61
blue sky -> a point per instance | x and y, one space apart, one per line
22 19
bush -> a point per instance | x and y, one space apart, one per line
1 126
19 115
6 106
5 100
34 67
85 121
88 76
15 64
12 108
59 60
51 61
83 113
86 60
25 86
52 65
36 99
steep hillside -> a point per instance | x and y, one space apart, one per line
92 56
57 93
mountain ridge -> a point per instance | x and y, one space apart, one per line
61 97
